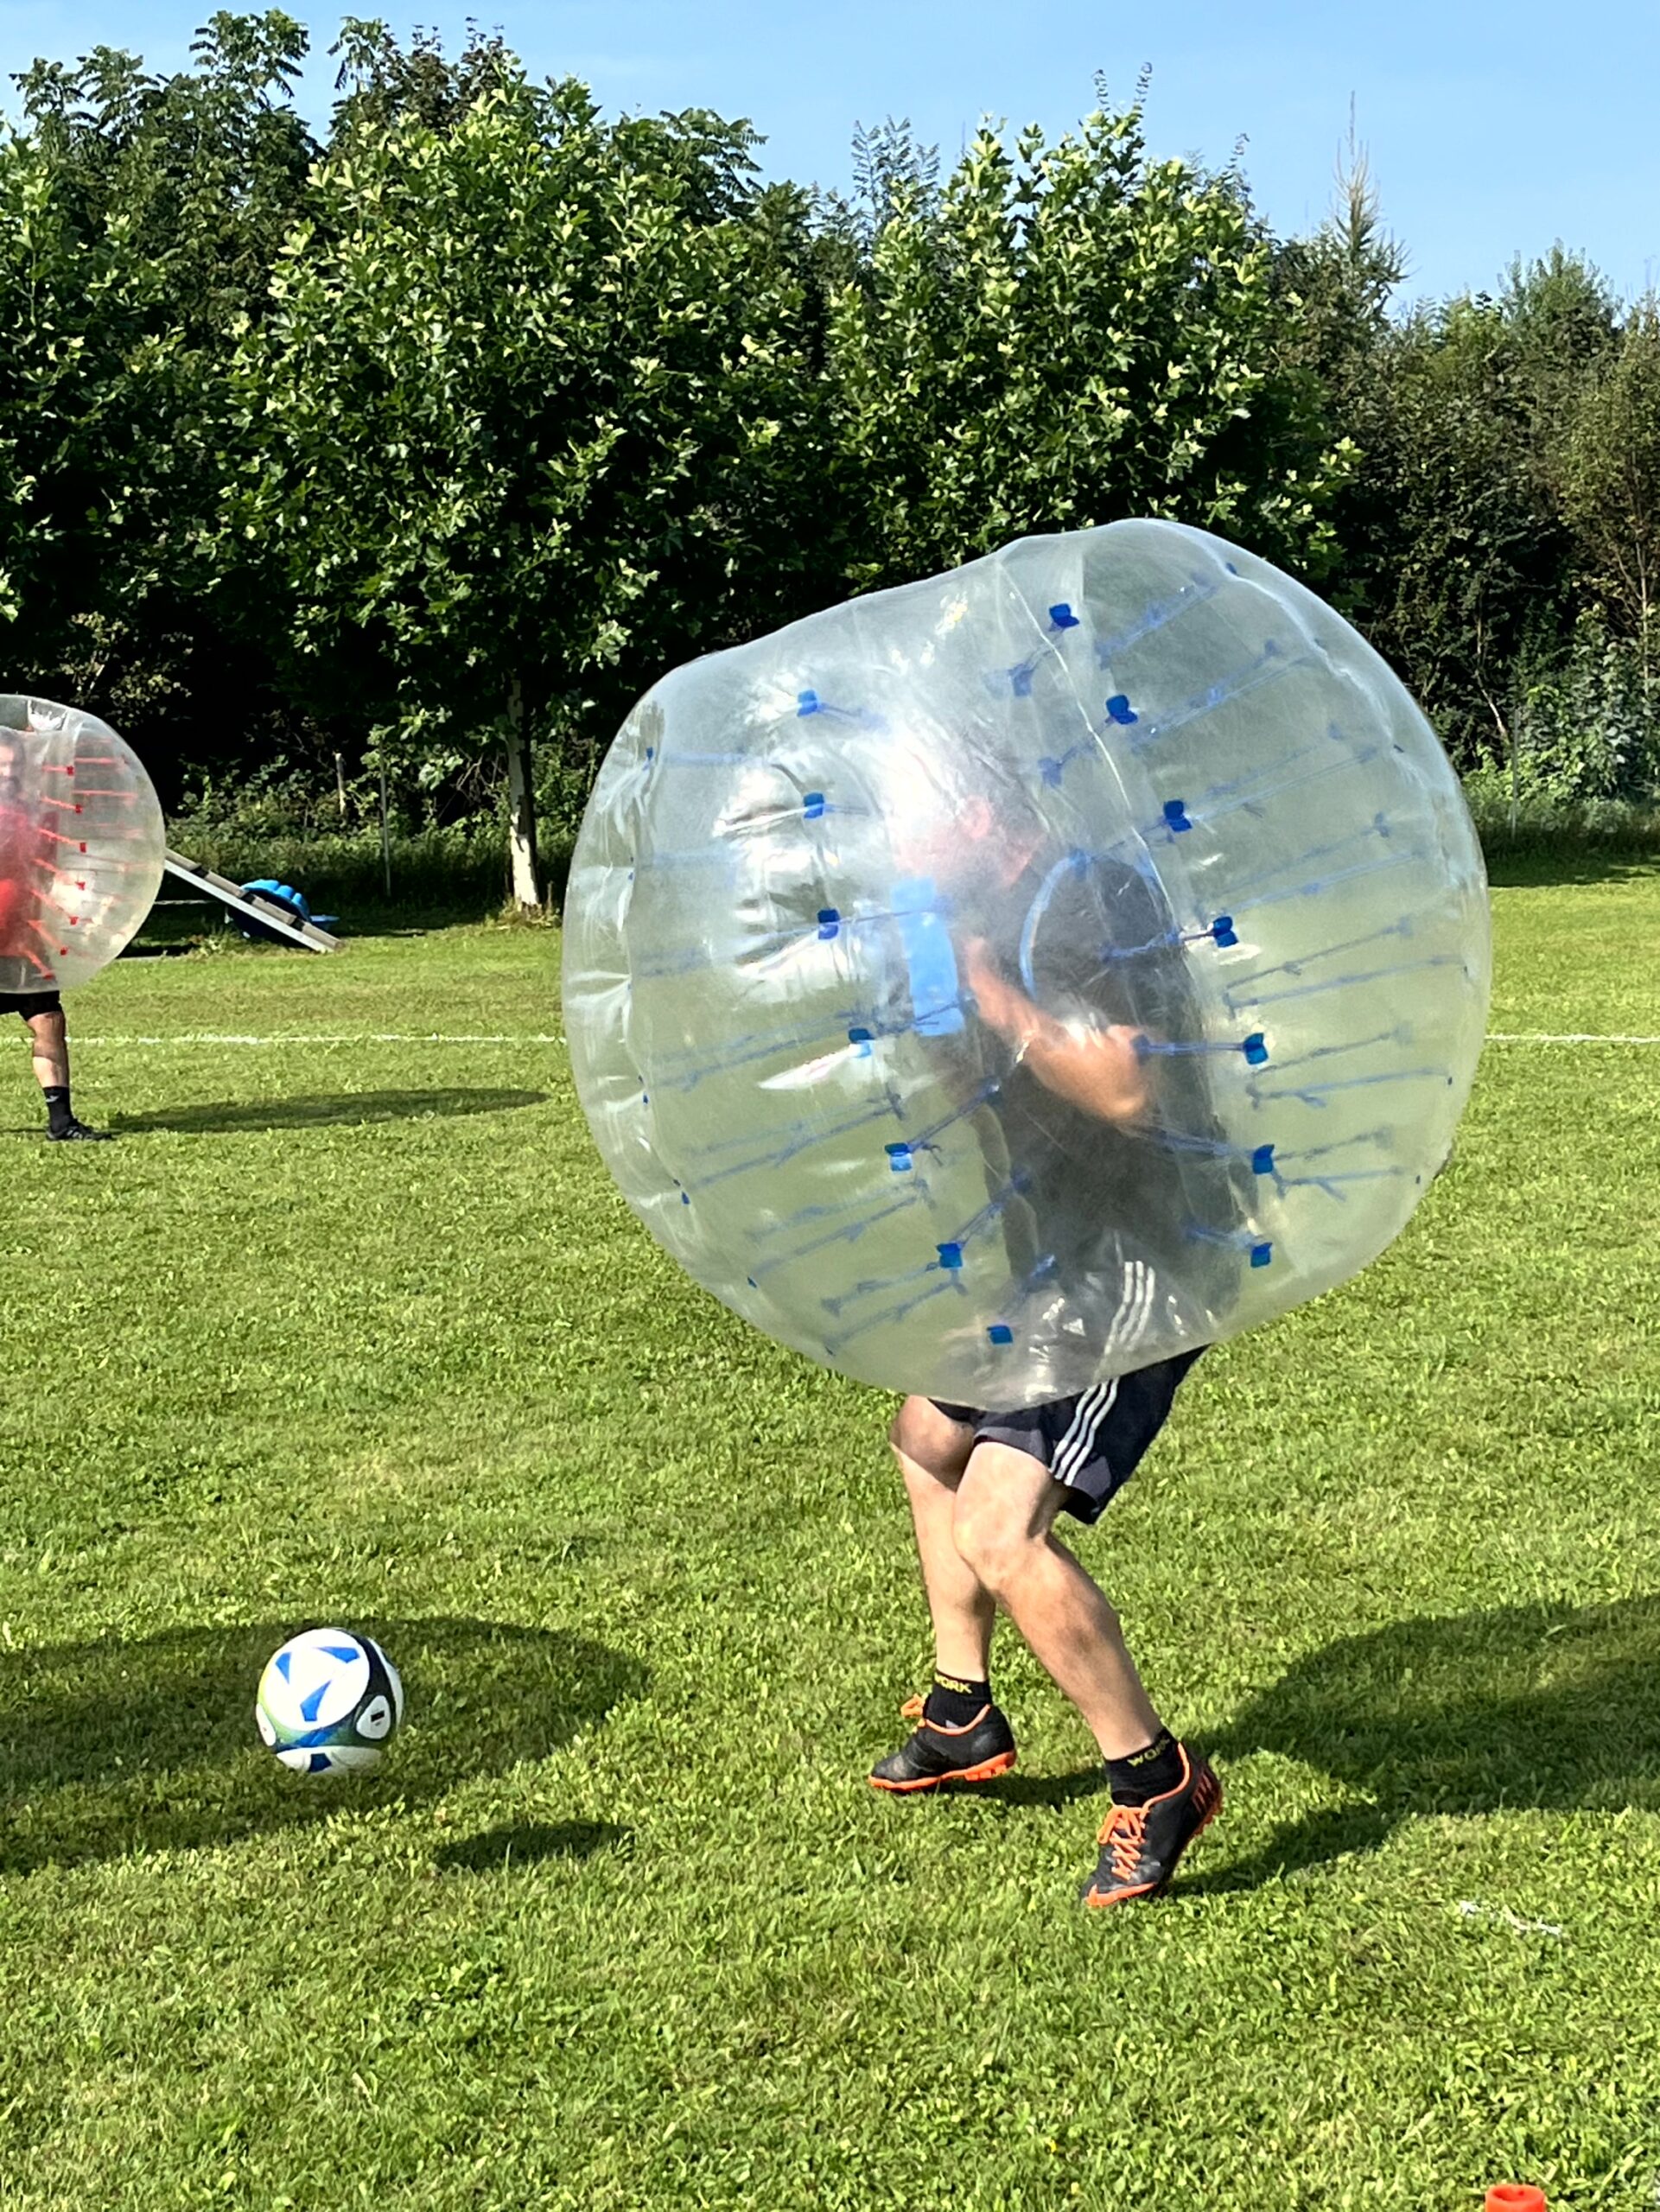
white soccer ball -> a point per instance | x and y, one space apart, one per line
329 1702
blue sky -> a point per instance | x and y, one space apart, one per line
1493 129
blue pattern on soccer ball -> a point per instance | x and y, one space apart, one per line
329 1702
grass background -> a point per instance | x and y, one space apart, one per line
353 1329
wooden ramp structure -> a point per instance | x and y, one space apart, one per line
267 912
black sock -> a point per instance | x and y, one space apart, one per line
1146 1774
59 1114
952 1703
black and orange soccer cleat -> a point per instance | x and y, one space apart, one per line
980 1751
1141 1845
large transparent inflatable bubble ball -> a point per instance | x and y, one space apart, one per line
1000 983
82 845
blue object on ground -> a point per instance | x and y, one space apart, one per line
276 894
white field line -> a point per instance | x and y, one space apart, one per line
215 1037
212 1038
1471 1909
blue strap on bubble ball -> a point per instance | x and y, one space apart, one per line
930 960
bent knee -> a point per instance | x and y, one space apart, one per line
928 1445
995 1538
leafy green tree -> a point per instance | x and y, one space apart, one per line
1609 480
88 390
141 215
1587 726
1332 291
1456 555
460 430
1563 325
528 421
1332 295
1071 332
893 171
381 82
1466 570
206 169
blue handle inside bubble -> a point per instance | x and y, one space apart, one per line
929 958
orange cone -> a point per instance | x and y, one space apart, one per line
1516 2197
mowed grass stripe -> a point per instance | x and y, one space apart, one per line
619 1926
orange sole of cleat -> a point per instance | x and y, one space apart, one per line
1097 1902
987 1771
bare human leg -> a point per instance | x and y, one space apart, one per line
1005 1506
984 1516
49 1044
933 1452
49 1038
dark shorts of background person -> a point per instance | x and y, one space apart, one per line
1092 1444
25 1003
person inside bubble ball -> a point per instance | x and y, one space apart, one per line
26 978
1073 968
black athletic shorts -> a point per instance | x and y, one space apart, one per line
23 1004
1091 1443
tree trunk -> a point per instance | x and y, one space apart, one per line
521 805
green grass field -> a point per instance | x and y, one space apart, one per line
350 1327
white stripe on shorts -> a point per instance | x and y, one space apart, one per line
1077 1446
1083 1418
1135 1308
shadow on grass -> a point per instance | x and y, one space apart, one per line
500 1850
1529 866
1544 1706
1055 1791
112 1748
351 1109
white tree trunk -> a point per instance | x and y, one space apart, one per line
521 805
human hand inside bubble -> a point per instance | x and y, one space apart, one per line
1103 1070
